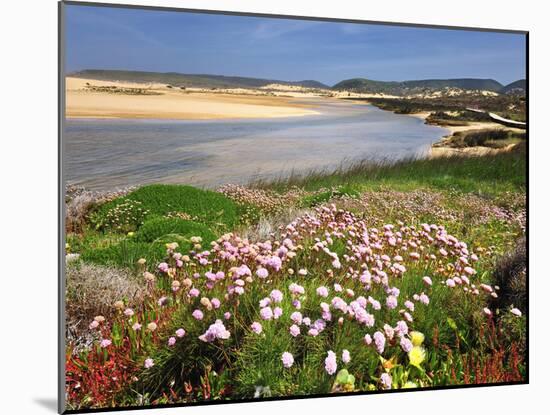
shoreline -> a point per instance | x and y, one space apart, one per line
88 98
440 149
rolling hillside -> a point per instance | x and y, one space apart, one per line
518 87
360 85
189 80
417 86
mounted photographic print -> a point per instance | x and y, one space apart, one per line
258 207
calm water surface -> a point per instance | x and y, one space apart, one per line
106 154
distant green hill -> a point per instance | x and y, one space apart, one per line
368 85
355 84
189 80
462 83
518 87
406 87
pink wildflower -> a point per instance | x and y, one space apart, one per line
266 313
288 359
322 291
296 317
406 344
262 273
330 363
424 299
294 330
386 380
256 327
367 339
105 343
313 332
346 358
276 296
215 331
391 302
277 312
469 270
379 341
516 312
198 314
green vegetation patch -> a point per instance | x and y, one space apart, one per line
210 208
318 198
494 138
125 254
162 228
490 174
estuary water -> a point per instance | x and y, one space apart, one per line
103 154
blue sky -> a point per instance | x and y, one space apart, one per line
285 49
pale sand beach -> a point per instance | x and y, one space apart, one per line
477 125
175 103
442 150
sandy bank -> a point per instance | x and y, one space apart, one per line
440 149
472 125
161 102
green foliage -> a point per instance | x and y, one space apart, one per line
125 254
124 216
405 87
456 118
512 105
248 214
493 138
149 242
489 174
344 380
322 197
164 228
210 208
458 336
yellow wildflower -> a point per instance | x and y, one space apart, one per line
417 356
417 338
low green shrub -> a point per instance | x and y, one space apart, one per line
210 208
478 138
124 216
248 214
157 228
126 254
323 197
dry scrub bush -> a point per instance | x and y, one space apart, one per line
79 202
511 276
92 290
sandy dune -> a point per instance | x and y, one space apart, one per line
174 103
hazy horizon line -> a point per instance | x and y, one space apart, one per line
71 72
